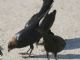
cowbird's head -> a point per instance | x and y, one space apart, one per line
12 44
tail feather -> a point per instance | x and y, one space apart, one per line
48 21
34 21
46 6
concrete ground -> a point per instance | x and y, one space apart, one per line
15 13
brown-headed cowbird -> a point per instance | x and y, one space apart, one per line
24 38
29 35
47 22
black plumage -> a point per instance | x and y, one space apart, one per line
53 43
28 37
23 38
48 21
34 21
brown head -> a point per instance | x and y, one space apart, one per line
12 44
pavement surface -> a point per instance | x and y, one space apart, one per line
15 13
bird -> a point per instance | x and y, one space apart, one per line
21 38
26 36
52 43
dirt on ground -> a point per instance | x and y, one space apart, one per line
14 14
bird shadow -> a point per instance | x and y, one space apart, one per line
24 53
72 43
60 56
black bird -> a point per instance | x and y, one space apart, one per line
46 6
28 35
53 43
23 39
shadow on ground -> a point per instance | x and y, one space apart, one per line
60 56
72 43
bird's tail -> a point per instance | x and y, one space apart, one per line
46 6
34 21
48 21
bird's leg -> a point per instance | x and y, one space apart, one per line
37 42
28 50
55 55
47 55
31 47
